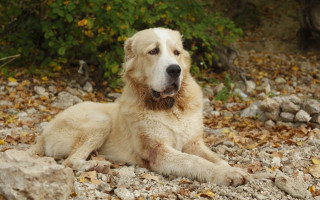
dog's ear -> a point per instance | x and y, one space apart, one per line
128 49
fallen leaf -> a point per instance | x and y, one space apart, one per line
315 161
2 142
277 154
314 170
91 176
11 79
149 176
185 181
205 193
254 167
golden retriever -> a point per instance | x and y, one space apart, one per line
156 123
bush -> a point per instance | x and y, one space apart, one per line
53 33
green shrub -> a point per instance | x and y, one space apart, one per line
52 33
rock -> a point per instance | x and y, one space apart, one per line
26 177
296 188
276 162
207 107
316 118
287 117
288 106
302 116
41 91
270 105
207 92
5 103
294 99
311 106
269 124
12 84
250 86
52 89
88 87
264 87
252 111
65 100
271 116
239 93
124 194
281 82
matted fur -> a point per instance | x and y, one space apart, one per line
162 134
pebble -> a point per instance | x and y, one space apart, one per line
302 116
124 194
88 87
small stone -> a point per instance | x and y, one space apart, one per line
12 84
295 99
250 86
270 105
124 194
264 87
316 118
208 92
215 113
296 188
281 82
302 116
288 106
287 117
52 89
311 106
252 111
65 100
88 87
272 115
269 124
41 91
276 162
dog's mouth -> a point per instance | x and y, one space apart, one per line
168 92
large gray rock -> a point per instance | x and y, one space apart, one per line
289 106
270 105
316 118
311 106
252 111
302 116
23 176
295 187
65 100
287 117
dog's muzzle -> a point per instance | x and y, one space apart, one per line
173 72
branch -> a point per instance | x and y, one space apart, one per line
12 58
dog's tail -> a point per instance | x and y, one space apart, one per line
38 148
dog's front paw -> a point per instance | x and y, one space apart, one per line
230 176
100 166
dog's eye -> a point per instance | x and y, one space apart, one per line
176 52
154 51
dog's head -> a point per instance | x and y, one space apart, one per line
156 61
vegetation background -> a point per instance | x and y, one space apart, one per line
51 35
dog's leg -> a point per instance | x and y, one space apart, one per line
198 148
167 160
37 148
80 152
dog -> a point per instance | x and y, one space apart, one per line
156 123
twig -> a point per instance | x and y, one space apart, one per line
12 58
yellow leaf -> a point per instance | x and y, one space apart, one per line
312 189
272 169
82 179
149 176
225 130
11 79
108 7
295 68
205 193
2 142
83 22
44 79
314 170
315 161
23 134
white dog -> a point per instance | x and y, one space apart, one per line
156 123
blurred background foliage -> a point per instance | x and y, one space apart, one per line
51 35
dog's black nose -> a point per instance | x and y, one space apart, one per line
174 70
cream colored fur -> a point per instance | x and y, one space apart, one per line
164 135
